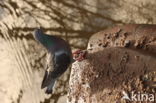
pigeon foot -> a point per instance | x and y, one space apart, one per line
79 55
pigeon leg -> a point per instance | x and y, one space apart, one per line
79 55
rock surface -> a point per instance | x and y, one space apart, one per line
22 59
120 60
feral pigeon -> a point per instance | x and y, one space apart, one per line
59 58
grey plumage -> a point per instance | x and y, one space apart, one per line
59 58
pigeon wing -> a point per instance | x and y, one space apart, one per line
57 65
49 69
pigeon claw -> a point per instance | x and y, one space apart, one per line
79 55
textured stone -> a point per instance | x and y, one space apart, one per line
114 68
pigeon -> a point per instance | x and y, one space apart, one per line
58 59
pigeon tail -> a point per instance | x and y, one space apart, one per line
49 89
48 82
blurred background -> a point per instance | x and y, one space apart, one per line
22 58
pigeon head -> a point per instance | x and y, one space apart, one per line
38 31
44 39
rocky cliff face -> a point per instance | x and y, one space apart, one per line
120 61
22 58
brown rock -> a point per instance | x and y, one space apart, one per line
126 64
